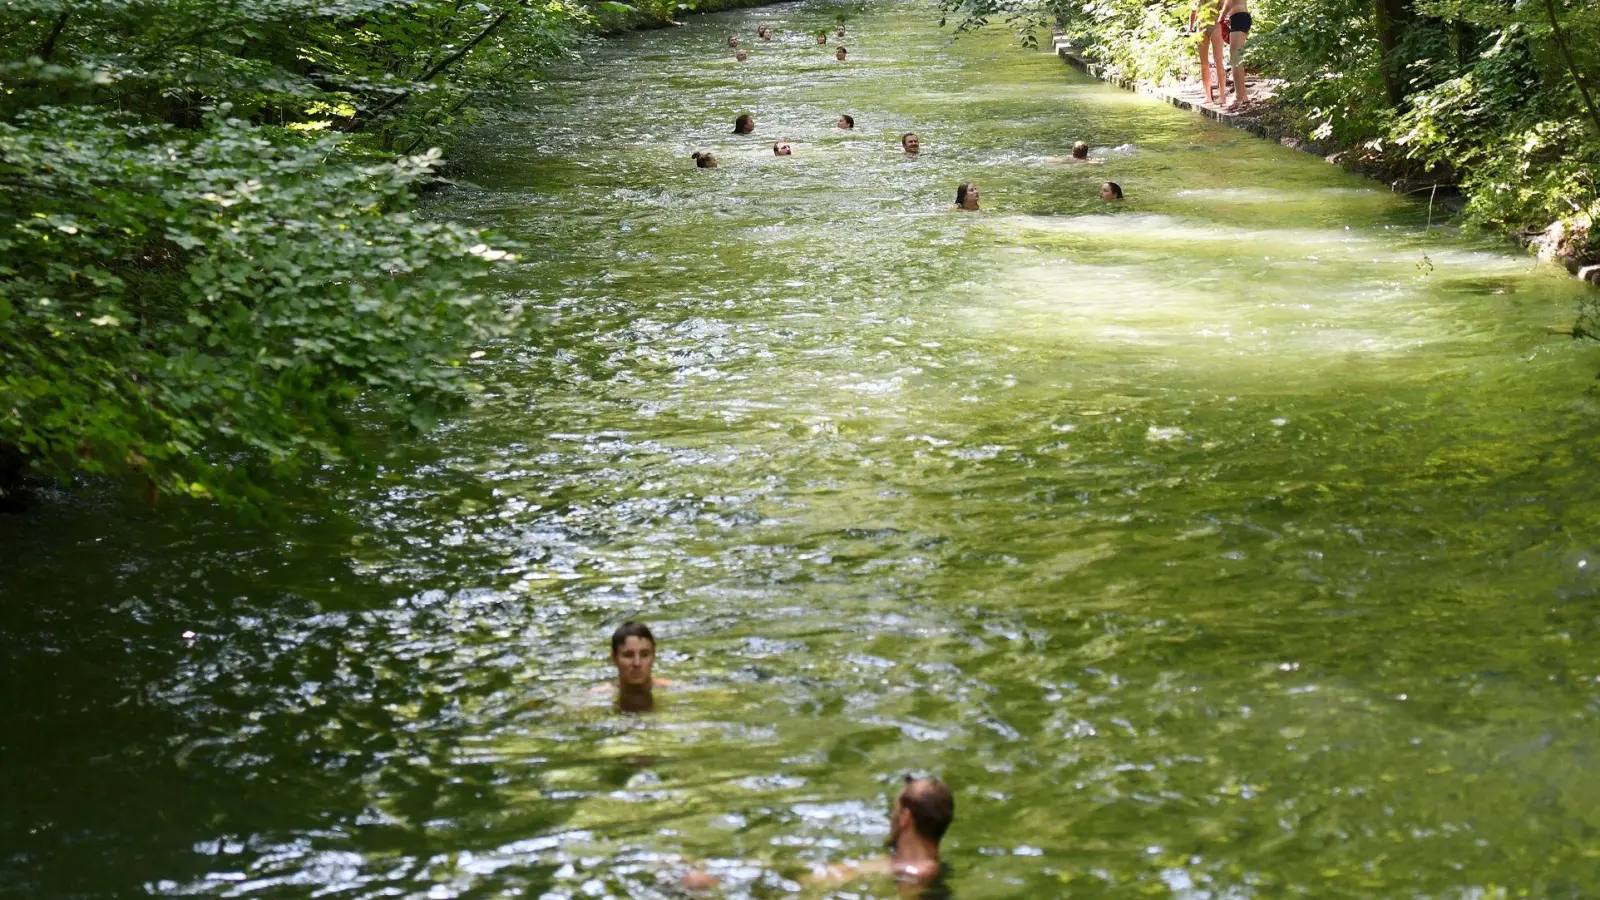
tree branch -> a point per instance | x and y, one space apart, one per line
50 42
452 59
1566 54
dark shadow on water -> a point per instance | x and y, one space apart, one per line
175 707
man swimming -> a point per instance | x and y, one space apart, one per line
917 822
911 143
846 122
1080 154
920 816
782 148
733 41
741 56
633 652
764 33
839 54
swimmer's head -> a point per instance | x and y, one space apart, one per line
822 38
840 32
782 148
839 54
765 33
925 807
733 41
1111 191
967 195
741 56
847 122
911 142
745 124
633 652
1080 150
704 160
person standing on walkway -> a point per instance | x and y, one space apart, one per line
1236 13
1205 19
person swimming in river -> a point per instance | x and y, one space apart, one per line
918 819
1111 192
782 148
910 143
633 652
967 196
764 32
1080 154
703 159
745 124
822 38
846 122
733 41
741 56
839 54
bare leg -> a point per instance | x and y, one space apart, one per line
1215 44
1205 68
1240 93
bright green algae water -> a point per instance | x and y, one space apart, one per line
1232 542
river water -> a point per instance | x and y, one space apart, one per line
1231 542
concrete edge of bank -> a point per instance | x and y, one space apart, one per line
1544 245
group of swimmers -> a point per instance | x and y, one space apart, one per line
910 142
922 811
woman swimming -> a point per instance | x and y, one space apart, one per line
745 124
967 196
703 160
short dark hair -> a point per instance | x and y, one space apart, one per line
743 120
630 630
931 805
1116 189
1080 150
849 120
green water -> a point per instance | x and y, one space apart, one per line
1232 542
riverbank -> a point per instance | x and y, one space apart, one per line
1263 118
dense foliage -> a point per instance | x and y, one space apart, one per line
206 254
1494 96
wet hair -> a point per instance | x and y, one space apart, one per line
931 805
744 124
703 159
849 120
775 146
840 51
906 135
1080 150
630 630
1116 189
961 192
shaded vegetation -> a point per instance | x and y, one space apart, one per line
206 252
1495 97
